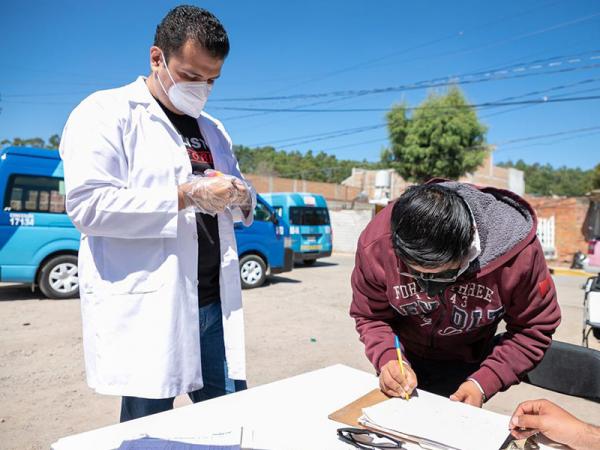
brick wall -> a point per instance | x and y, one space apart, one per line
569 215
330 191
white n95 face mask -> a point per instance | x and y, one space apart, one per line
189 97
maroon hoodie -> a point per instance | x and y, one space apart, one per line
508 281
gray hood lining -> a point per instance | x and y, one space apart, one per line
502 221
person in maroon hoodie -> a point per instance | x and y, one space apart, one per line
440 268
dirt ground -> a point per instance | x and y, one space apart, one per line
296 323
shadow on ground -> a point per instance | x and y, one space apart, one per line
17 292
315 265
276 279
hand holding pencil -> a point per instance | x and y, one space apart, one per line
397 379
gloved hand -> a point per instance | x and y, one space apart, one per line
214 191
242 196
209 194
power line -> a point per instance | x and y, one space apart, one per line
355 144
50 94
500 74
512 141
340 134
244 116
556 141
583 91
552 89
469 78
509 40
328 133
480 105
543 136
453 35
538 61
529 34
348 131
501 143
517 66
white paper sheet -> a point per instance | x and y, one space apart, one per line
438 419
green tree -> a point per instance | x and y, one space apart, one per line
442 138
547 180
308 166
596 177
54 141
37 142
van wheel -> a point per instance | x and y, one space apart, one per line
253 271
59 277
309 262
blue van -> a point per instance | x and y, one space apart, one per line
308 217
264 248
39 244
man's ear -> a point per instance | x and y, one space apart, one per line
155 58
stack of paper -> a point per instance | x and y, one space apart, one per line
438 423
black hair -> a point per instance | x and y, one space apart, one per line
431 226
187 22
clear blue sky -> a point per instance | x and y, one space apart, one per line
54 53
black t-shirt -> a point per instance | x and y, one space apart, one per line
209 254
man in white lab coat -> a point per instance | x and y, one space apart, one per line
158 264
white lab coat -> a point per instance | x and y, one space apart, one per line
138 258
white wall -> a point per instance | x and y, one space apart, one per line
516 181
347 226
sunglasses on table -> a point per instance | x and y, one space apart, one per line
368 440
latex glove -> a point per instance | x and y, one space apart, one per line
208 194
242 196
391 381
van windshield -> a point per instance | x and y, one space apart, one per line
308 215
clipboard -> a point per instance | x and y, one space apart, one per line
350 413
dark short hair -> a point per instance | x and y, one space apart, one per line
187 22
431 226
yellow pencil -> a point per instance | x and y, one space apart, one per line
399 352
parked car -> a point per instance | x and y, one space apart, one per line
309 223
263 248
39 244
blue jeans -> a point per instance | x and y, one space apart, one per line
214 370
